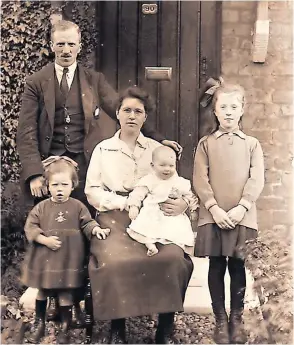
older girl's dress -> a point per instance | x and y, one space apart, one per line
151 225
45 268
125 281
228 171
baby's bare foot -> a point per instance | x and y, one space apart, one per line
152 250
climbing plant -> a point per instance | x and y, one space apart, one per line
25 32
25 47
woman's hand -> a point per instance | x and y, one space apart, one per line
173 207
236 214
221 218
52 242
100 233
133 212
174 145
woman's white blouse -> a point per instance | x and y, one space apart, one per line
115 168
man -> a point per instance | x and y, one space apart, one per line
60 112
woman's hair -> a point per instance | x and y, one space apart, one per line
63 25
138 93
228 89
62 166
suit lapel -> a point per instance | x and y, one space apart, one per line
87 95
48 87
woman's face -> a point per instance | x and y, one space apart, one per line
131 115
229 110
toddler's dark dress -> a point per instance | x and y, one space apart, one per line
64 268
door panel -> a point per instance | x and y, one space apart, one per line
183 35
127 44
189 77
168 57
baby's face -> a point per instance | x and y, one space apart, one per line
164 165
60 186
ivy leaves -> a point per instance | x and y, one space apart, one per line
25 31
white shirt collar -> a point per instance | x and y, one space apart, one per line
237 131
71 68
141 140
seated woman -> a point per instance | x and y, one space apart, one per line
125 282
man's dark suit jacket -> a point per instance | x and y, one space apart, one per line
36 121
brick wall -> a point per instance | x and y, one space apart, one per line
269 89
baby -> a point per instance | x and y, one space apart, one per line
149 225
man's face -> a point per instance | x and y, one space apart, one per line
66 46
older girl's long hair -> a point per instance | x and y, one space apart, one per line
211 122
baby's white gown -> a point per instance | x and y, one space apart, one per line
151 225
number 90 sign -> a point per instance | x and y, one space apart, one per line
149 8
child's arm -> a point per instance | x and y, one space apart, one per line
32 226
35 233
254 184
193 203
89 226
135 199
203 187
51 242
200 176
133 212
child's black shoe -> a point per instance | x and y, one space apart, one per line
37 331
78 318
63 337
53 310
221 331
236 328
65 315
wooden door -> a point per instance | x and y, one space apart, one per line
182 35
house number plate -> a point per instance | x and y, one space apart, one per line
149 8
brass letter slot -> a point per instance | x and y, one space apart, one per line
158 73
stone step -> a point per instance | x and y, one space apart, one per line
197 296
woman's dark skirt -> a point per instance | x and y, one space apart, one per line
211 240
126 282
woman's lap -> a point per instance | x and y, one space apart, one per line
126 282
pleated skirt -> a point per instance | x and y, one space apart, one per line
211 240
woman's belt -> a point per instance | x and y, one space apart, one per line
122 193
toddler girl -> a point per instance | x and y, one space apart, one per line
228 178
55 229
149 225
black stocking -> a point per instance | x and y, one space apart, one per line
216 274
238 283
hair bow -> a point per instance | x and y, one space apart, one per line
46 162
211 86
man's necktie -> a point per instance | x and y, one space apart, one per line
63 85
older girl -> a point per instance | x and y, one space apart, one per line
228 178
55 258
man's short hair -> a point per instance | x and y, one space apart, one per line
63 25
